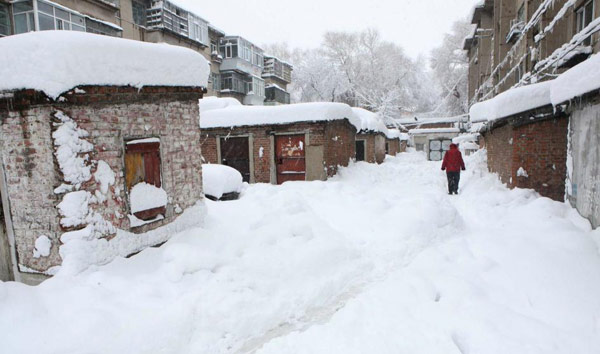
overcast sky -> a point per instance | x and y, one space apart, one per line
417 25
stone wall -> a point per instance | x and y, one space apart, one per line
530 155
111 115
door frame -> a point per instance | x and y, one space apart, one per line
9 228
306 133
365 156
250 137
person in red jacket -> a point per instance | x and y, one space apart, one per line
453 163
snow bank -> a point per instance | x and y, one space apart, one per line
286 114
219 179
579 80
57 61
209 103
144 196
434 131
511 102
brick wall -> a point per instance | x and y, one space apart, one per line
110 115
394 146
337 138
540 148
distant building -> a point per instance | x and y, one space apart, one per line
239 68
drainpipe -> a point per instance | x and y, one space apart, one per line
36 18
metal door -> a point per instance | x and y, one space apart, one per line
438 148
290 158
235 152
360 150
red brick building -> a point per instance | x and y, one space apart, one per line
73 159
282 143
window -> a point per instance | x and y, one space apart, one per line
23 17
97 27
50 18
4 20
213 47
216 81
142 165
585 15
139 12
232 81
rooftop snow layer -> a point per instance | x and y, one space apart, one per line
269 115
433 131
369 121
577 81
210 103
57 61
517 100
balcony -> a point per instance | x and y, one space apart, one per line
516 29
275 95
276 68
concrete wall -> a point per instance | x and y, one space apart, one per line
584 180
110 115
328 145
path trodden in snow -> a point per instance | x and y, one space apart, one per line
377 260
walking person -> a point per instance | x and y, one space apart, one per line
453 163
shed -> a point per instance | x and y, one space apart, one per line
433 141
373 138
275 144
98 147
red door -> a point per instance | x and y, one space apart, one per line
289 157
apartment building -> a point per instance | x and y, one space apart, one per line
239 67
518 42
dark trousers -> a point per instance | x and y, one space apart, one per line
453 179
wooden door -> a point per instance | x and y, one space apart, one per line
360 150
235 152
290 158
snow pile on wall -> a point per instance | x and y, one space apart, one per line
144 196
579 80
219 179
210 103
264 115
511 102
56 61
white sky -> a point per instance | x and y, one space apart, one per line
417 25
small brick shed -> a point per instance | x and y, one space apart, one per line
71 158
281 143
373 144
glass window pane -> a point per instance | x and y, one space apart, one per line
62 14
21 23
446 144
45 8
435 145
589 12
22 6
77 20
435 155
46 22
4 24
78 28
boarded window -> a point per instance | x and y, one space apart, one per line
142 164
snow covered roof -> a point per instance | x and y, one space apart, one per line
432 120
433 131
212 102
466 138
517 100
579 80
369 121
238 116
57 61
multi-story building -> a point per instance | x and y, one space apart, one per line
517 42
277 74
236 64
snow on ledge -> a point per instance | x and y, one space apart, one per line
577 81
210 103
57 61
513 101
274 115
434 131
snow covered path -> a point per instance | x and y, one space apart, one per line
377 260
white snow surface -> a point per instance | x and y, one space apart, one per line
326 267
219 179
104 176
370 121
511 102
42 247
210 102
144 196
433 131
57 61
581 79
237 116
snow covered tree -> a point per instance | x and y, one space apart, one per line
450 66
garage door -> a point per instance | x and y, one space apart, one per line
235 152
290 158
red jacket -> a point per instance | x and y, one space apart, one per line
453 161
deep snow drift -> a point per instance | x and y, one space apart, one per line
377 260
